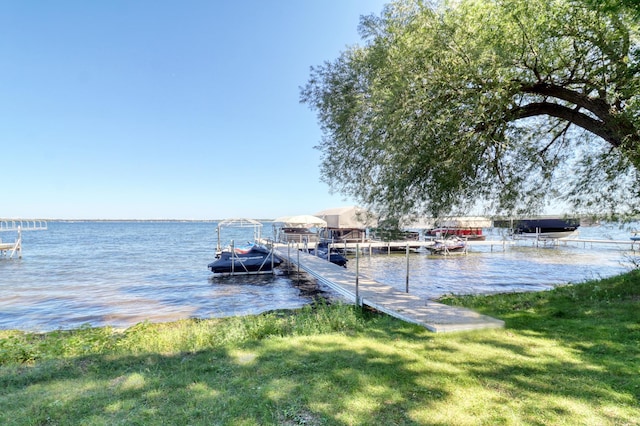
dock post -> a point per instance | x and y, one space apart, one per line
407 276
358 302
272 252
19 242
233 258
298 262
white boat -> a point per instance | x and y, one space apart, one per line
452 244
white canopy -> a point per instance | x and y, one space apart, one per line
239 223
453 222
419 223
351 217
466 222
301 221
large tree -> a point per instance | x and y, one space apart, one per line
510 103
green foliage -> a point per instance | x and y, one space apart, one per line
587 304
511 101
29 347
181 336
615 6
567 356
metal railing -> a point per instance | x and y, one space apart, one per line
23 224
18 225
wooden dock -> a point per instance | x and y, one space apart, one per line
434 316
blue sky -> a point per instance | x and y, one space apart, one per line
145 109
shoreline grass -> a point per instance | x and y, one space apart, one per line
566 356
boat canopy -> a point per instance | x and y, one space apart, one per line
239 223
465 222
301 221
351 217
449 222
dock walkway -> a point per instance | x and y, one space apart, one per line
434 316
6 246
384 245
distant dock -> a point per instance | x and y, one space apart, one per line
434 316
17 226
380 246
632 244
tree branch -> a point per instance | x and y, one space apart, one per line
598 107
588 123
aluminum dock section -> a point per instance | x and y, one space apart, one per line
434 316
17 226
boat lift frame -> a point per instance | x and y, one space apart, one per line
239 223
18 225
257 237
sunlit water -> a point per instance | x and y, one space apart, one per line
122 273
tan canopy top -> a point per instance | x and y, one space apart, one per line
301 221
350 217
450 222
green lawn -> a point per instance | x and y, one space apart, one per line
568 356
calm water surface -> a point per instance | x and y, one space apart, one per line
122 273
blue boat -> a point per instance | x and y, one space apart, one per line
546 228
253 259
323 252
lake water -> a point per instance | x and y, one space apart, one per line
122 273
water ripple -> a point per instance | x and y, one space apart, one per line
121 273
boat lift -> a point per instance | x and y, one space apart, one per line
18 225
239 223
241 269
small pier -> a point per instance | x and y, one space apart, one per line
18 225
633 245
434 316
389 246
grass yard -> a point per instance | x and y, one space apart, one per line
570 356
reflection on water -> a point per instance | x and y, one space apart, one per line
526 266
484 272
121 273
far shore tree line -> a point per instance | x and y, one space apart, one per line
499 105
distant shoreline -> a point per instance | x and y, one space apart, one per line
125 220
